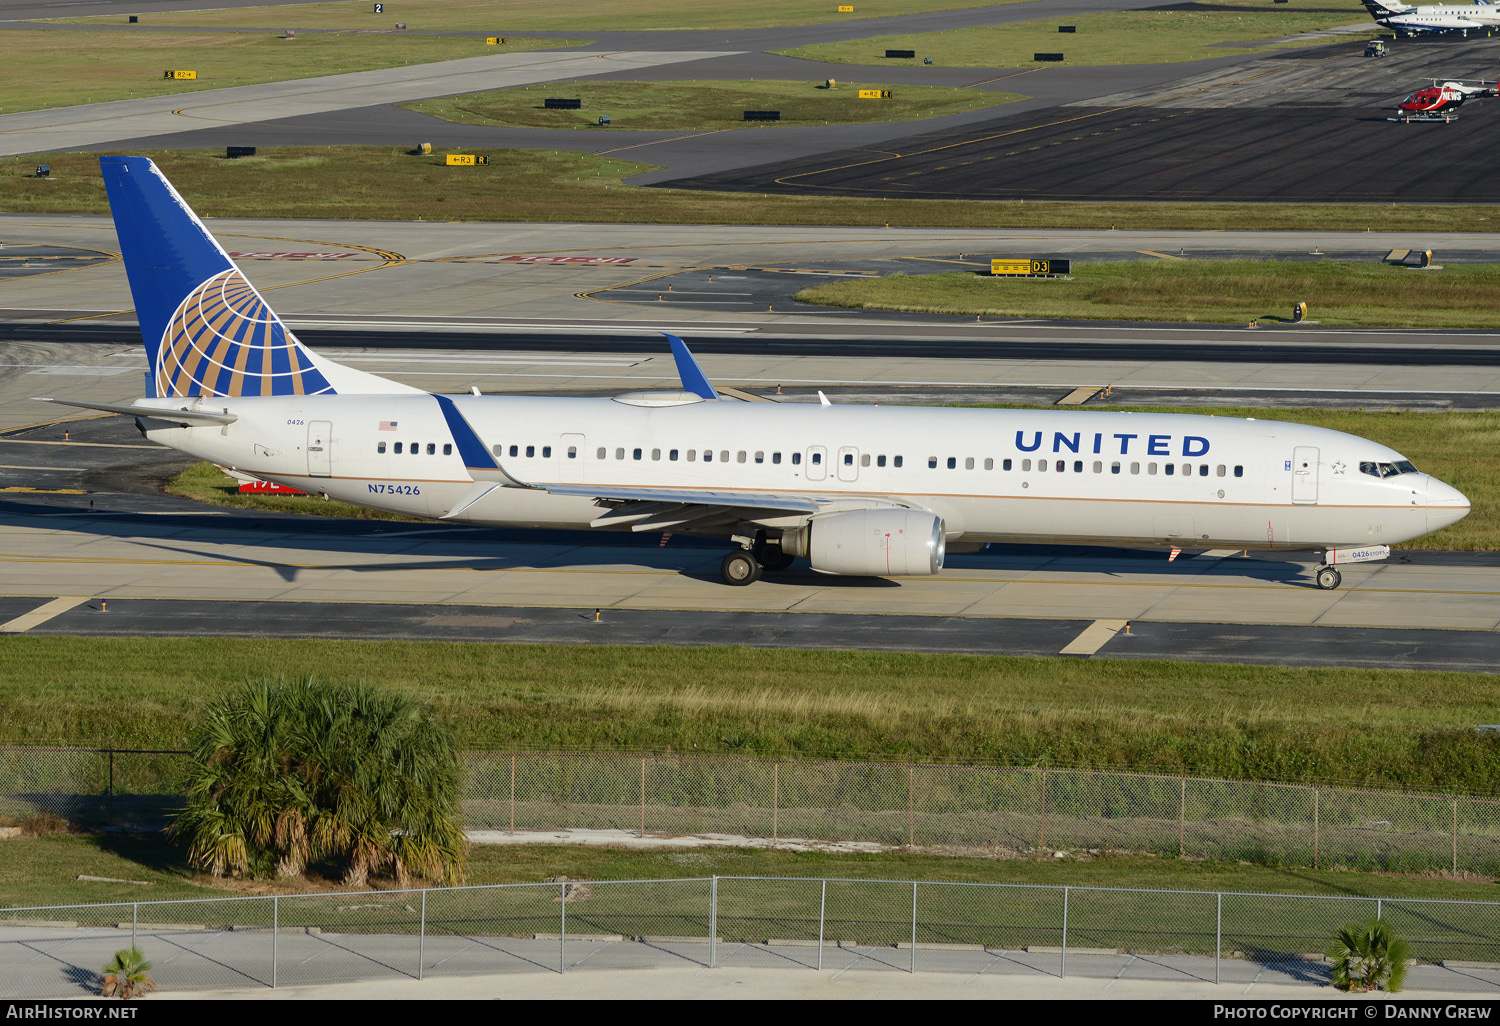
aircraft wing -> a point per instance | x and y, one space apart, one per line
692 496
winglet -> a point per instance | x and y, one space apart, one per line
693 378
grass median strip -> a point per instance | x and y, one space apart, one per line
497 15
1414 729
46 870
1212 291
705 105
389 183
1112 38
67 68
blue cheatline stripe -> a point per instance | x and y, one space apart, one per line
470 448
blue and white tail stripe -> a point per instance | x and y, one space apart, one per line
207 331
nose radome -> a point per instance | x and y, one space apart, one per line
1445 504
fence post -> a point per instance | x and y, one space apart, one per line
111 792
562 935
822 907
135 910
775 798
512 794
643 798
713 919
1063 973
1218 935
1377 909
275 932
914 927
422 936
1455 836
1182 822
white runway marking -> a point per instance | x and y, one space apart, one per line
1094 637
41 614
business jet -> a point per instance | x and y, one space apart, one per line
855 490
1411 21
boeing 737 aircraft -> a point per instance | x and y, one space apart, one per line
1410 21
859 490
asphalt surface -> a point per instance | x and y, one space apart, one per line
1310 126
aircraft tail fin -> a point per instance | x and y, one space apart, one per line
206 329
1385 8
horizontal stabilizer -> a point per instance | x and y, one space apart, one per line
182 416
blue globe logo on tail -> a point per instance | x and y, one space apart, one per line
224 339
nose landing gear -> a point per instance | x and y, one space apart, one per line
1328 578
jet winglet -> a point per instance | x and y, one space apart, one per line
693 378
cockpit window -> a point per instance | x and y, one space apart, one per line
1387 469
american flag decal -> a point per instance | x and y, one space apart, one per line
387 425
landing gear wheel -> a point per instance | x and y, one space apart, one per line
739 568
1328 578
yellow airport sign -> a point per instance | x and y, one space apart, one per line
1012 266
466 160
846 8
874 94
494 40
179 74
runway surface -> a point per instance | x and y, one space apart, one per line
1305 126
89 546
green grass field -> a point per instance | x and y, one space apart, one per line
1214 291
510 15
1406 728
388 183
704 105
67 68
44 871
1117 37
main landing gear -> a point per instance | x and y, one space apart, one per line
745 566
1328 578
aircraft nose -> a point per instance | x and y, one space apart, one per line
1445 504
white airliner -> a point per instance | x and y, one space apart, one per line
859 490
1411 21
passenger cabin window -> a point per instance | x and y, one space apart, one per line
547 452
635 454
692 455
572 452
723 455
1078 466
848 459
1219 470
656 454
796 459
1114 468
708 455
897 461
619 453
1135 468
760 456
739 457
397 449
952 462
1150 468
672 455
1239 471
1169 469
1025 464
775 457
817 459
1007 464
447 448
530 451
969 463
599 455
864 459
989 463
880 461
432 448
380 447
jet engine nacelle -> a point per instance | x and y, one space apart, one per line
871 542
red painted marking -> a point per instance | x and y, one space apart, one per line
291 256
267 488
565 260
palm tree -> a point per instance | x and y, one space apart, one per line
1369 957
125 976
286 774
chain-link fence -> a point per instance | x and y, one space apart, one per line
789 923
1018 810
